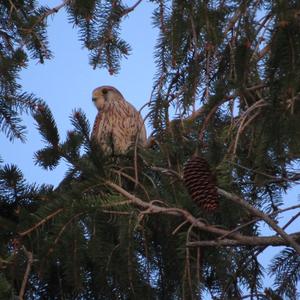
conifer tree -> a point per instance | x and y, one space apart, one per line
127 227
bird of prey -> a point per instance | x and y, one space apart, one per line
118 125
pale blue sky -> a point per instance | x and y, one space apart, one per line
66 82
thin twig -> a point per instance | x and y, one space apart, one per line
294 176
62 231
179 226
134 180
40 223
292 219
118 203
116 212
130 9
29 256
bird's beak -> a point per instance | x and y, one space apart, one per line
94 99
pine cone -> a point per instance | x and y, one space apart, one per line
201 183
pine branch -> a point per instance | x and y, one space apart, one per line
285 266
47 125
289 239
236 238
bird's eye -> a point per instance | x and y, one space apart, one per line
94 99
104 91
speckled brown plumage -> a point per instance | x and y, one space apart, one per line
117 123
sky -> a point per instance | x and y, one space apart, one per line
66 83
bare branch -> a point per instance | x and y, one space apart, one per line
286 209
27 272
256 241
264 51
236 238
169 172
130 9
55 9
273 179
262 216
292 219
233 21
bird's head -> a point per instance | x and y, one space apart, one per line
104 95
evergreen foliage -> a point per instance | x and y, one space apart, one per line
227 84
22 36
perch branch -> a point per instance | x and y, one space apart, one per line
238 239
